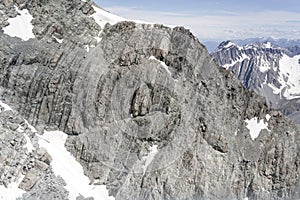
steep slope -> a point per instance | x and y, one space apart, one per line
147 110
267 69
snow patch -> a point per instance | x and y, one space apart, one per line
268 117
163 64
98 39
229 44
87 48
238 60
66 166
264 65
20 26
5 106
267 45
149 158
255 126
12 191
28 144
30 127
58 40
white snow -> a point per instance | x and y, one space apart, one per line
229 44
289 68
238 60
66 166
268 117
5 106
87 48
58 40
12 191
20 26
163 64
103 17
256 126
146 160
30 127
28 144
20 129
267 45
264 64
288 77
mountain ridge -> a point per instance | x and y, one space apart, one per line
268 69
147 111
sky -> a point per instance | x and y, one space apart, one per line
216 20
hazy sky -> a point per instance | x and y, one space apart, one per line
217 19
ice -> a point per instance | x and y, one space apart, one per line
66 166
20 26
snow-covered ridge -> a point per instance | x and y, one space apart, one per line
20 26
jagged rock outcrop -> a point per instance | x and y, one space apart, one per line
269 70
148 112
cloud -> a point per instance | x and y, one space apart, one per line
222 25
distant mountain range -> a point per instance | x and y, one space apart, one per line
270 67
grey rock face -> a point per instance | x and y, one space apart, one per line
145 87
258 67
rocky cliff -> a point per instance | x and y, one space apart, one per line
148 112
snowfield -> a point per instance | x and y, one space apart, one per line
20 26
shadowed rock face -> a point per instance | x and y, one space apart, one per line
143 86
